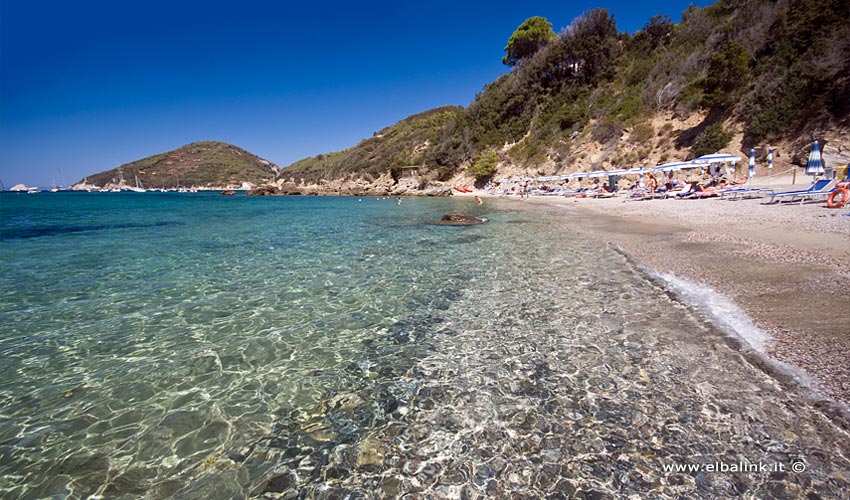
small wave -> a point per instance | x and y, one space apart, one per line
719 310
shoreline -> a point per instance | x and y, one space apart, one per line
786 267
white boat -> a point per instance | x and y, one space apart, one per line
139 188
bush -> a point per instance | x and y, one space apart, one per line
606 131
642 132
711 140
631 104
485 165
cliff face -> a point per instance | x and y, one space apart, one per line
205 164
735 75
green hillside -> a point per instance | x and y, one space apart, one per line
200 164
774 70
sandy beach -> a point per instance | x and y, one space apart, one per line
786 266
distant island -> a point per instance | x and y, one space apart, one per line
199 165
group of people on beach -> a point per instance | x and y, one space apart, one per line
697 186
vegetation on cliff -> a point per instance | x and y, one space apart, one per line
774 69
200 164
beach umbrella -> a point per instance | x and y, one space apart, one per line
675 165
815 164
718 158
769 161
752 163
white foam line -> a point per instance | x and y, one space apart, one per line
720 310
734 322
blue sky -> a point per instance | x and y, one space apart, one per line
87 86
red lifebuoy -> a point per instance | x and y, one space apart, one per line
837 198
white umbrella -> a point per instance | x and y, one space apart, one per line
752 163
675 165
718 158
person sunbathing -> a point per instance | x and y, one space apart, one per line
651 184
700 191
687 189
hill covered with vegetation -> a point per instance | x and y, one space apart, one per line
200 164
763 71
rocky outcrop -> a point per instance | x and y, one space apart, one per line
457 220
269 190
384 185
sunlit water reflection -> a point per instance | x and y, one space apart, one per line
208 347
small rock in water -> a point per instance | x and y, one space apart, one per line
457 220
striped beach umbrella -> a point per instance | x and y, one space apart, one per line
752 163
815 164
769 158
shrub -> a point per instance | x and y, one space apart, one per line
642 132
711 140
606 131
485 165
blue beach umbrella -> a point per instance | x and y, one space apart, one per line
769 158
815 164
752 163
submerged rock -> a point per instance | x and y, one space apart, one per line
458 220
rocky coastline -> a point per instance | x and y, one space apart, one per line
384 185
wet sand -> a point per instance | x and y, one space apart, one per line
786 266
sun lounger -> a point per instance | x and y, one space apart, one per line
741 193
821 187
573 192
645 195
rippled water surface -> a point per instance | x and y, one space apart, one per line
199 346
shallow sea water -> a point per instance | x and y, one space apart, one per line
199 346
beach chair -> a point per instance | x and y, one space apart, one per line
572 192
741 193
821 187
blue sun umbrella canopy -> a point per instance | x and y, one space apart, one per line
752 163
815 164
769 158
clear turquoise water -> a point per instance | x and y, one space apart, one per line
122 313
200 346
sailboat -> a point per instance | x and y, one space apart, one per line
139 188
54 188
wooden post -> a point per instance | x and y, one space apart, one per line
794 176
